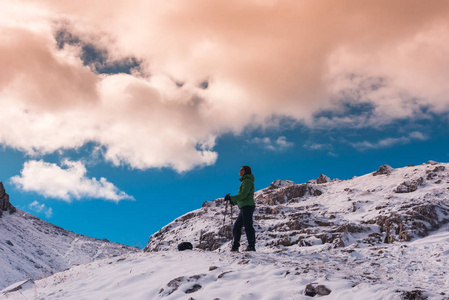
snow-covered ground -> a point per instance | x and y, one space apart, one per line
385 272
384 235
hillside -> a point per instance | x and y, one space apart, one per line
384 235
33 248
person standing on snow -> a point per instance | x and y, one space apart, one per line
245 201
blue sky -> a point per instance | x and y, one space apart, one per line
117 119
162 195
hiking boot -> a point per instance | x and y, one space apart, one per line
250 248
235 248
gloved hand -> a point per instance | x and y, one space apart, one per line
227 197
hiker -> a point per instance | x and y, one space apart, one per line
245 201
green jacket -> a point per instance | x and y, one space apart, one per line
245 196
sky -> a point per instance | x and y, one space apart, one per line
115 118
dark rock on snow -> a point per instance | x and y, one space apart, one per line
185 246
313 289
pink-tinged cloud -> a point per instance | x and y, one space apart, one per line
260 58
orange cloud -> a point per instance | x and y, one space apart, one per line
259 58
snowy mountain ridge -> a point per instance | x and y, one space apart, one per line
33 248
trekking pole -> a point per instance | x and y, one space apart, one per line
226 211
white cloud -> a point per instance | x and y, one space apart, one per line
38 207
50 180
279 144
49 213
389 142
317 146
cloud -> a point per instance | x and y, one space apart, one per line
321 147
279 144
202 69
35 205
38 207
68 183
389 142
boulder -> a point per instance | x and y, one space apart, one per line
313 289
185 246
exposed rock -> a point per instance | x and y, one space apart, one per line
185 246
413 295
322 290
313 289
432 162
310 290
416 221
280 183
409 186
291 192
174 284
323 179
5 205
193 289
211 241
383 170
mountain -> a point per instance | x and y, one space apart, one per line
382 207
33 248
384 235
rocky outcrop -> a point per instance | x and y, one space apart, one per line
409 186
280 183
291 192
5 205
323 179
383 170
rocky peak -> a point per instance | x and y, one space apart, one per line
5 205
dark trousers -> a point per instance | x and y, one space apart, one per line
245 219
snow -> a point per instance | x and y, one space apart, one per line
361 267
420 264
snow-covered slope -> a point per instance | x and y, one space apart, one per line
33 248
384 235
403 270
